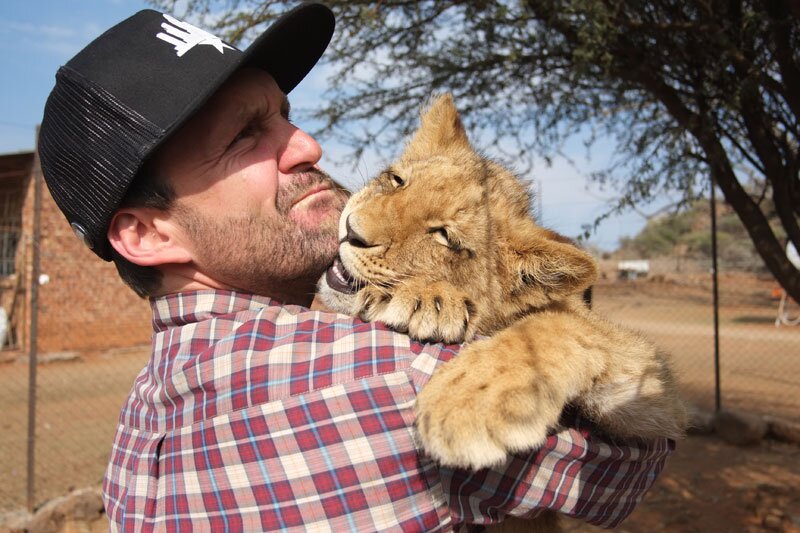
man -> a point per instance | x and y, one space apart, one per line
172 154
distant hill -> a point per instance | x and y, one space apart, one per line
688 234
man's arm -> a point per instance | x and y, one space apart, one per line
577 472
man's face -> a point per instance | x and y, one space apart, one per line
256 211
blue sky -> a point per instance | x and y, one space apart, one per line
36 37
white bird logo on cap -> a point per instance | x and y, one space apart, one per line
184 36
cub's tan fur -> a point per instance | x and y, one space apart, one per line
445 248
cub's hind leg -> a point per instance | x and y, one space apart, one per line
637 396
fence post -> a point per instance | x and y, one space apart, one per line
32 352
715 284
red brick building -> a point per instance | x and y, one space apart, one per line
83 306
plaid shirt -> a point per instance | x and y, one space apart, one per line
257 416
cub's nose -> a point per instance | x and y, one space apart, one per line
353 238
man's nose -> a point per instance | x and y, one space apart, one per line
300 153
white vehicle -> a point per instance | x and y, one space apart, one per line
783 315
634 269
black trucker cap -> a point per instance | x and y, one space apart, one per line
123 95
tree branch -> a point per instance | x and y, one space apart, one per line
754 220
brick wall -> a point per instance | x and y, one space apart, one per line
84 306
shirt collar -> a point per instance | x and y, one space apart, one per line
194 306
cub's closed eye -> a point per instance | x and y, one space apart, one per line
453 242
440 235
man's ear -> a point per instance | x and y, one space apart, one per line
146 237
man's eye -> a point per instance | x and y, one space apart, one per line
245 133
241 135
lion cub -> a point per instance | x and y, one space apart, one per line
442 245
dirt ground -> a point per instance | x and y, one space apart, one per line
707 485
78 404
759 362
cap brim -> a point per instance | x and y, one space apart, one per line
300 38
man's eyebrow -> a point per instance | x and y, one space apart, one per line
285 107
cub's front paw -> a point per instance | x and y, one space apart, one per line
481 406
436 312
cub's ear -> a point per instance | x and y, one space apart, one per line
440 128
554 267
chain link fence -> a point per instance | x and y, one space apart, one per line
86 333
759 357
78 400
93 338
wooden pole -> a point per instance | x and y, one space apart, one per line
715 284
32 351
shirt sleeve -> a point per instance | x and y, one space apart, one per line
578 471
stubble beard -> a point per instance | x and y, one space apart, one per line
274 256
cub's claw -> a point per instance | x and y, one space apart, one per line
427 311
